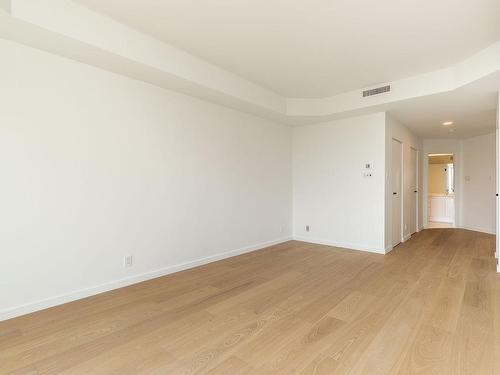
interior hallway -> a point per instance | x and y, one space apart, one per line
430 306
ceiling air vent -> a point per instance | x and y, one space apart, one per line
376 91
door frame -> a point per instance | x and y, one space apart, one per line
457 188
401 195
497 202
417 186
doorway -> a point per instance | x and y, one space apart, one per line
396 183
441 191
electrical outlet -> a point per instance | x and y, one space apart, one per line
127 261
307 228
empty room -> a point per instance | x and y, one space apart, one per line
249 187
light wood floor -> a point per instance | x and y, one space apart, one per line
432 306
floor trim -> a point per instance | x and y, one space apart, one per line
388 249
120 283
477 229
345 245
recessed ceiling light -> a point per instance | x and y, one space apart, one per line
448 123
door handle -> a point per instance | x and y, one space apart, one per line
416 191
394 193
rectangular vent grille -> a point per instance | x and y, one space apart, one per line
378 90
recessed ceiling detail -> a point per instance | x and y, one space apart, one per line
93 36
316 48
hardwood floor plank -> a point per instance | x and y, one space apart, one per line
495 280
431 306
429 353
346 309
473 346
393 338
294 356
233 365
264 346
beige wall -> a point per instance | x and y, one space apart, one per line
437 178
440 159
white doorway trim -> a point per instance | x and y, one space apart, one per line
415 190
425 187
497 161
400 194
442 147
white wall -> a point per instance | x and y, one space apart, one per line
474 199
331 195
396 130
479 180
96 166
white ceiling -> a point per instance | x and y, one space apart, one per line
316 48
472 108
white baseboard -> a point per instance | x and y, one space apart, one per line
388 249
477 229
406 237
440 219
345 245
115 284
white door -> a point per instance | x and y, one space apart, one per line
413 190
396 173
